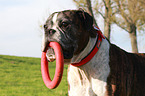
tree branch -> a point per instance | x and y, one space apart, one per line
101 14
121 26
105 4
123 13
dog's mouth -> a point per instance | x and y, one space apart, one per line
50 54
68 51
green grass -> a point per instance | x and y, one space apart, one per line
21 76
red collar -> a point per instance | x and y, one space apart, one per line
93 52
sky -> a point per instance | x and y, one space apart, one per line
20 32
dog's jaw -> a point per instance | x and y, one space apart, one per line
85 52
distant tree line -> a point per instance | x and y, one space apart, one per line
127 14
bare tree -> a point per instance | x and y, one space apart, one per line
107 15
127 14
105 9
130 17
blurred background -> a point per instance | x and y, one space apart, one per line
122 21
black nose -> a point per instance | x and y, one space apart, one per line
51 31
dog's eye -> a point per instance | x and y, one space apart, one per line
64 24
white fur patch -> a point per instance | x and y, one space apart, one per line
54 20
57 35
91 78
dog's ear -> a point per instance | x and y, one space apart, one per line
86 19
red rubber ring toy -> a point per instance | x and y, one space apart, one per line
59 66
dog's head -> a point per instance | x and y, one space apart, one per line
71 29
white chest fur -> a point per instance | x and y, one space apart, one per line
90 79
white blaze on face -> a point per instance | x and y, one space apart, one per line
57 35
54 20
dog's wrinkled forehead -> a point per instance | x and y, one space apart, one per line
78 18
60 17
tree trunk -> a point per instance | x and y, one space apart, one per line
133 37
107 29
90 11
107 19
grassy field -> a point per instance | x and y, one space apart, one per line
21 76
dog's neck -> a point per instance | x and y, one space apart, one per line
86 51
91 77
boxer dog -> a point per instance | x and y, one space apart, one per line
97 67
